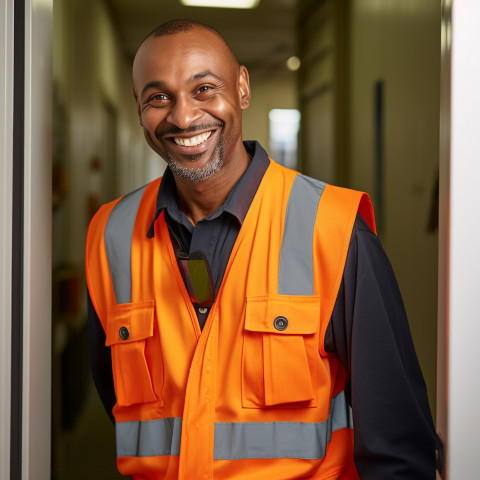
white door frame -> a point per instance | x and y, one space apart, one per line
458 392
25 217
37 327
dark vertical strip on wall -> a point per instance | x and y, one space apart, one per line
17 240
379 155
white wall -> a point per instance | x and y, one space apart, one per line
459 300
399 42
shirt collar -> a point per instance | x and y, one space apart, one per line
238 201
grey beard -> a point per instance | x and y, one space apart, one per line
197 175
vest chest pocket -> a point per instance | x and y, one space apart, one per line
130 330
280 351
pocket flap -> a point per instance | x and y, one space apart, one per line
302 314
129 322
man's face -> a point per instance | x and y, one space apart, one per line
190 93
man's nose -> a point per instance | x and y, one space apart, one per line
183 112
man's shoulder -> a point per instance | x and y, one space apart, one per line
125 203
150 187
313 189
280 169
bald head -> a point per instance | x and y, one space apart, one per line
182 25
211 38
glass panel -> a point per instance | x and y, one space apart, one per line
284 126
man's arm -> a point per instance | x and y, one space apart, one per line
369 332
100 360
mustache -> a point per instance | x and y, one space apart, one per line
173 130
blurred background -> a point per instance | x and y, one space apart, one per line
347 91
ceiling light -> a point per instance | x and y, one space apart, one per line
221 3
293 63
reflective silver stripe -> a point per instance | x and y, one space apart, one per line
118 243
234 441
150 438
295 276
341 413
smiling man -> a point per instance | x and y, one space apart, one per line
239 312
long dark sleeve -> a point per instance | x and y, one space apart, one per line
369 332
100 360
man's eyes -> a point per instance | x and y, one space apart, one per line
158 97
205 90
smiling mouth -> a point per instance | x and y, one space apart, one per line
192 141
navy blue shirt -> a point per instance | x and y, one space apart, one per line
368 332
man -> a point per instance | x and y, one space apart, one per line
245 307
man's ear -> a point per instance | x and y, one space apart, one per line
244 88
139 112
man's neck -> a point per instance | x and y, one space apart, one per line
199 200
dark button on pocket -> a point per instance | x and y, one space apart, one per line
280 323
124 333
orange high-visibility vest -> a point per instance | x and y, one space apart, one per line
254 395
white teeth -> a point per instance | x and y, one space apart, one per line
192 141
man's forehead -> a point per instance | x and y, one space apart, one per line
198 44
200 39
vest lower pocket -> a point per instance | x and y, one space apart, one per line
130 328
280 351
